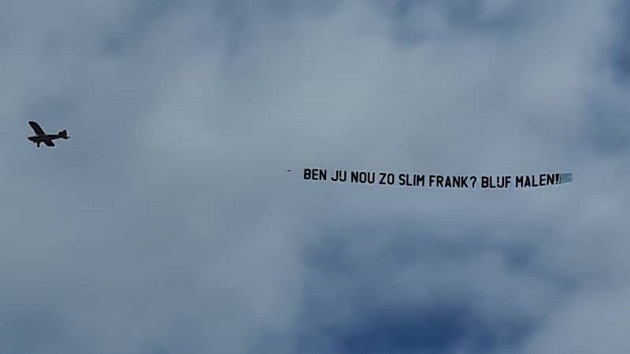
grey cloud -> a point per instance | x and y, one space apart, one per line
168 223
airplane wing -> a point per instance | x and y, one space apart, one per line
38 130
49 143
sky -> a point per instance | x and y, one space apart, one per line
168 223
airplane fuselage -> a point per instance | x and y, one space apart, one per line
42 138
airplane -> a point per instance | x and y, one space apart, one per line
42 137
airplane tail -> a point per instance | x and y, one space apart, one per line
63 134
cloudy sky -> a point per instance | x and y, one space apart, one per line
168 224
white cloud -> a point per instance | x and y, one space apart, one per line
168 220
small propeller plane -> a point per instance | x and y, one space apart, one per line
42 137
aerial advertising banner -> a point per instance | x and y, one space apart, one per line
436 180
